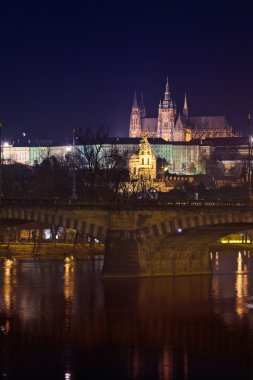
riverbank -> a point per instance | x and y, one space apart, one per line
50 250
231 246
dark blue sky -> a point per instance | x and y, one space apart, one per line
76 64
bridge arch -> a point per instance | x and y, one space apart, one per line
178 245
170 226
84 225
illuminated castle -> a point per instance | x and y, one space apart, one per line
171 126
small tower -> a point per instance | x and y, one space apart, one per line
143 163
166 116
135 119
185 109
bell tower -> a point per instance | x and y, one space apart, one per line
135 119
166 116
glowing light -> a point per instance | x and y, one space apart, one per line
68 148
47 234
241 286
217 264
233 241
7 283
179 230
67 376
69 279
6 144
68 259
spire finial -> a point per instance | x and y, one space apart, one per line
185 109
167 84
167 94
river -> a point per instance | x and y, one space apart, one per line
61 320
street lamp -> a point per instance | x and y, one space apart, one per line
1 181
74 195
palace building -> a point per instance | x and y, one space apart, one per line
172 126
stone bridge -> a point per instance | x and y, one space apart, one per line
144 239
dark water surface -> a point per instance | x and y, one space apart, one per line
62 321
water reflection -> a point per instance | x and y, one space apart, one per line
69 267
72 324
69 279
165 367
9 276
241 285
7 284
217 261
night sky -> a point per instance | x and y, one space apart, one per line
77 64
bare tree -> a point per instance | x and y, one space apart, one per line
101 167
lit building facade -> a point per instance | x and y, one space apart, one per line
181 157
12 154
143 162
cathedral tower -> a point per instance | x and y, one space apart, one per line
166 116
135 119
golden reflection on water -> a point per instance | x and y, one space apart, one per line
7 284
9 275
69 289
69 279
241 285
217 265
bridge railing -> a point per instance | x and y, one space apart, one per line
125 204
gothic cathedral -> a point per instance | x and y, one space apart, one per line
171 126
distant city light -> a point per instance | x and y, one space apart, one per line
47 234
68 148
6 144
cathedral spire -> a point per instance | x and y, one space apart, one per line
185 109
167 84
167 91
135 104
167 98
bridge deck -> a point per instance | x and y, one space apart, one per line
125 205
